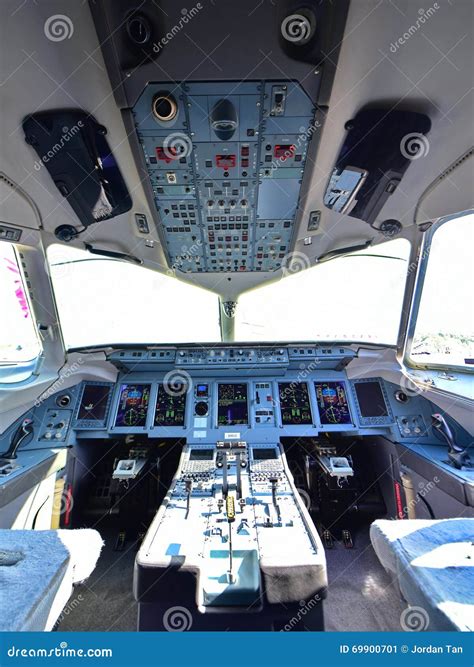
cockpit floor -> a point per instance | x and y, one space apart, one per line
105 601
361 595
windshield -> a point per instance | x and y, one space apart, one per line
357 297
444 332
107 302
103 301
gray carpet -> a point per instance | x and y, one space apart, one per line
361 595
105 602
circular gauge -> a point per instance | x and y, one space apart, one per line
201 409
130 417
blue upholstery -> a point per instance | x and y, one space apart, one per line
433 563
28 587
38 569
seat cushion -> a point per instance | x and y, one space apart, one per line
38 569
84 546
433 563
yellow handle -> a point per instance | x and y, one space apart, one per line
230 508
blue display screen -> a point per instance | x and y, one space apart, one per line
332 403
133 405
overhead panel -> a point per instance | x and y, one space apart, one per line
225 162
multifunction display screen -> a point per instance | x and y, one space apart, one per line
294 403
332 403
171 404
232 405
201 454
94 401
202 390
133 405
370 398
263 454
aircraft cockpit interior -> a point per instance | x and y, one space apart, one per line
236 325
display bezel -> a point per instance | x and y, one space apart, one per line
382 420
310 401
155 402
273 454
327 425
196 453
92 424
226 426
151 401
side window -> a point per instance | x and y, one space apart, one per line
444 329
19 342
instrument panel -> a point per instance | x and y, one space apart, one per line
261 409
213 394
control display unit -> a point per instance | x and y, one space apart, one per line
294 403
264 453
171 404
133 405
93 405
371 400
201 454
372 403
232 404
332 403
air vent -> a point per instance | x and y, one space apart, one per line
63 401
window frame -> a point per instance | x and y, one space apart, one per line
17 372
424 259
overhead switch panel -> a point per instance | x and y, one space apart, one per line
225 162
